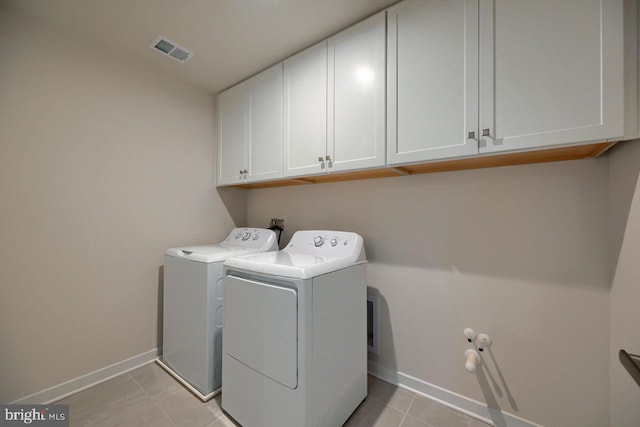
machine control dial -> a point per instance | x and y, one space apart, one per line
238 236
256 236
334 241
246 235
318 241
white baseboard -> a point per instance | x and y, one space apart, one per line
67 388
192 389
456 401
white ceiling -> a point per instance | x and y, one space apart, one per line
231 39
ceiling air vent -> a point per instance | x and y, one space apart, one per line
169 48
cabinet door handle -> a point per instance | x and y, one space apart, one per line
329 162
471 135
321 160
486 132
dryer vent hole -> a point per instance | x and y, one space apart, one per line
372 324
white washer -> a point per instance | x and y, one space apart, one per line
295 337
192 315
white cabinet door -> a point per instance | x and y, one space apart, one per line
231 109
264 125
432 73
305 112
550 72
356 96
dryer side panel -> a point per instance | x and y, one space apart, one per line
339 378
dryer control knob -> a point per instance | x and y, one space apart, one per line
334 242
246 235
318 241
256 236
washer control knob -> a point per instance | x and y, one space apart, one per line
334 241
246 235
256 236
238 235
318 241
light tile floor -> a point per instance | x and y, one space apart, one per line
148 396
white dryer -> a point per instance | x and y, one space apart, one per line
295 337
192 315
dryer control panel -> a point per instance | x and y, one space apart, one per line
335 244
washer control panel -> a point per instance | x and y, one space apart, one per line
250 237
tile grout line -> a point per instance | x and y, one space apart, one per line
415 396
153 400
407 411
386 403
166 415
139 386
219 416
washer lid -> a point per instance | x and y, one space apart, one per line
241 241
310 253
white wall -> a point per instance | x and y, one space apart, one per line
624 190
516 252
103 165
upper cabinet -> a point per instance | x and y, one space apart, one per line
231 111
305 112
357 99
551 72
250 129
334 108
428 80
263 123
432 80
481 76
